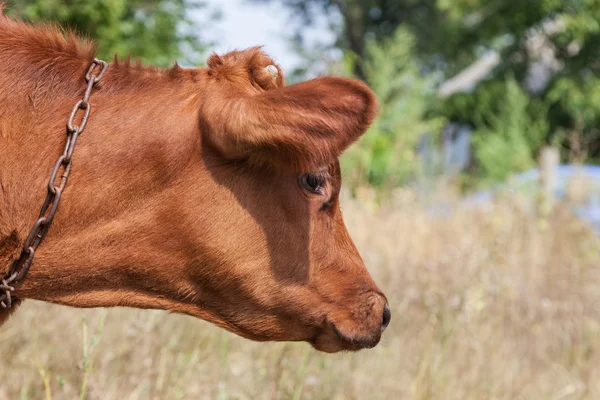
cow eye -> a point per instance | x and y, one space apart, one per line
313 183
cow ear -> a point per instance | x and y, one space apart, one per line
303 127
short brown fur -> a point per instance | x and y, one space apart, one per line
184 194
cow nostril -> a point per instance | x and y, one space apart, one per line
387 316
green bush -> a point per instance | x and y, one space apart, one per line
386 154
155 31
508 134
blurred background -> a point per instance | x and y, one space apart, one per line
474 200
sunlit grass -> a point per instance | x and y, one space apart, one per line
492 304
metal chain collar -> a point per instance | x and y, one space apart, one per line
56 184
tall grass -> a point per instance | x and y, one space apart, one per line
488 304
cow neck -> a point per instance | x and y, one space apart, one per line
56 184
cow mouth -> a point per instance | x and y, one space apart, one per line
333 340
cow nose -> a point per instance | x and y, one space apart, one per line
387 316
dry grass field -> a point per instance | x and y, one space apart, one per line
488 304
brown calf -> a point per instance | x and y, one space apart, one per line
211 192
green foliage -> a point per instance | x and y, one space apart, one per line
575 105
385 155
155 31
508 134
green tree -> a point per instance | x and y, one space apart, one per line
449 34
508 133
552 48
154 31
386 154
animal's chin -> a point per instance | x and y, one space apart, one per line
333 340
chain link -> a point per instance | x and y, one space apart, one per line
56 184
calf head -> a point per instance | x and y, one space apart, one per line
285 266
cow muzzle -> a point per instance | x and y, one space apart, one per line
355 328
